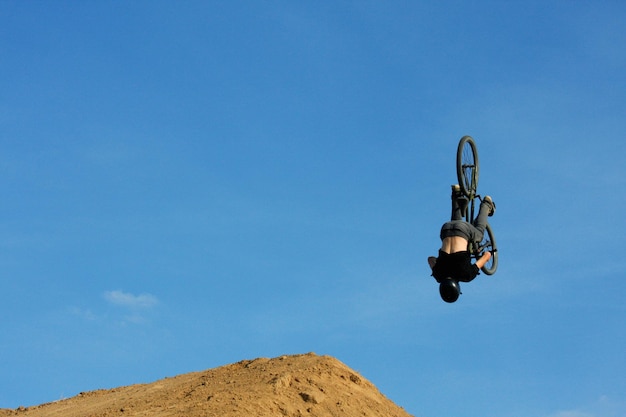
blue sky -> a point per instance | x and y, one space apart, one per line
188 184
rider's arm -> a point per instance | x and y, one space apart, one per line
483 259
432 261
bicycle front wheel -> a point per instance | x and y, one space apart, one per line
467 166
489 244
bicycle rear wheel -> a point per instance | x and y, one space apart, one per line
467 166
489 244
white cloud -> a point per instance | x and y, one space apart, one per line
605 406
130 300
572 413
84 314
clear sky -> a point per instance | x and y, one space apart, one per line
187 184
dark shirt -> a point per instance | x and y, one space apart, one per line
457 266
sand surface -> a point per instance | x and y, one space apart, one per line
291 386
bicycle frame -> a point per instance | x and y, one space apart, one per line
467 166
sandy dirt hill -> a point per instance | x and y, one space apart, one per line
290 386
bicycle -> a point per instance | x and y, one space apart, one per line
467 170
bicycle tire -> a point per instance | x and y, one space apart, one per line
467 166
489 242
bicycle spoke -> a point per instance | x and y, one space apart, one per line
467 166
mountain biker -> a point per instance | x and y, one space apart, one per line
454 262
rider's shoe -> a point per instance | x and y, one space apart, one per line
488 199
456 191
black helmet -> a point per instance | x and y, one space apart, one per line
449 290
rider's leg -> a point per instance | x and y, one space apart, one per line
459 203
480 222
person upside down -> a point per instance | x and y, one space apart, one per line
454 263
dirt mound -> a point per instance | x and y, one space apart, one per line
291 386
